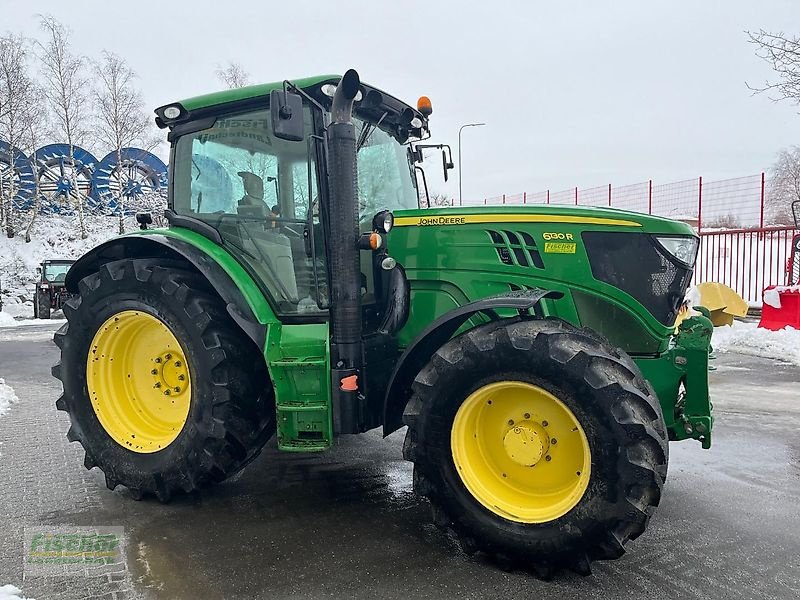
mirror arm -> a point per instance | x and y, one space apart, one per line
288 85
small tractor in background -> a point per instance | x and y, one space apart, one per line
51 293
531 351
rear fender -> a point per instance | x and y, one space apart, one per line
167 247
420 351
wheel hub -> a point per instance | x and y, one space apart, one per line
169 372
526 443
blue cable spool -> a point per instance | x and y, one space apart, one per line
137 174
16 171
63 180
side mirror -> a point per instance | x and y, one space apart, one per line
38 270
446 164
286 112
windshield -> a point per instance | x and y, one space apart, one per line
56 272
385 179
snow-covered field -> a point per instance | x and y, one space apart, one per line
52 237
748 338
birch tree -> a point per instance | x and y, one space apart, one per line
122 118
66 88
19 109
37 126
233 75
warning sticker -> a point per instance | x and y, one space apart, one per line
560 247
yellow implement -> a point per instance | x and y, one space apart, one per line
722 302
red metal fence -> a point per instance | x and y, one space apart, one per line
742 244
731 203
748 260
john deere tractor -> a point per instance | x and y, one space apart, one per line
300 290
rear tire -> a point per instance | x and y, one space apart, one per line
41 306
611 403
230 413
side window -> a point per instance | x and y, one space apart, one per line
254 189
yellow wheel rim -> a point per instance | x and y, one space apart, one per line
138 381
521 452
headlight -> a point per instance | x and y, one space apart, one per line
383 221
684 248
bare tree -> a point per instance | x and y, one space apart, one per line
19 101
66 88
783 54
233 75
784 186
37 126
122 119
439 199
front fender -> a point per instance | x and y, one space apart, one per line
250 314
420 351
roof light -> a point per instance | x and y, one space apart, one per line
329 90
424 106
172 112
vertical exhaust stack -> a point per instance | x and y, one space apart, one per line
343 257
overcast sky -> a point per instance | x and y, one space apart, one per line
573 93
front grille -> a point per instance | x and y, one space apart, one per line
636 264
516 247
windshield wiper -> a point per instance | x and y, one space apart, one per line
367 132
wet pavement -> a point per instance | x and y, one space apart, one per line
345 524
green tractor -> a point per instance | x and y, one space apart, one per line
300 290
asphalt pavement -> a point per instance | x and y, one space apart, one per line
345 524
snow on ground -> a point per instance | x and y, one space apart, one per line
7 397
9 592
52 237
748 338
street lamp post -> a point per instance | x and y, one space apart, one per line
460 199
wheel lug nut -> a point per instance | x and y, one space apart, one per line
154 372
527 415
177 363
544 423
157 359
554 441
167 392
511 421
548 458
157 385
168 356
181 377
177 389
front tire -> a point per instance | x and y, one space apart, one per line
537 443
163 390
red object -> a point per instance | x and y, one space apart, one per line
349 383
788 314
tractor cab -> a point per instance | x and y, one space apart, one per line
262 192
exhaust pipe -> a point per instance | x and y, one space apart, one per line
343 261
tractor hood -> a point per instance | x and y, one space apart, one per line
621 273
